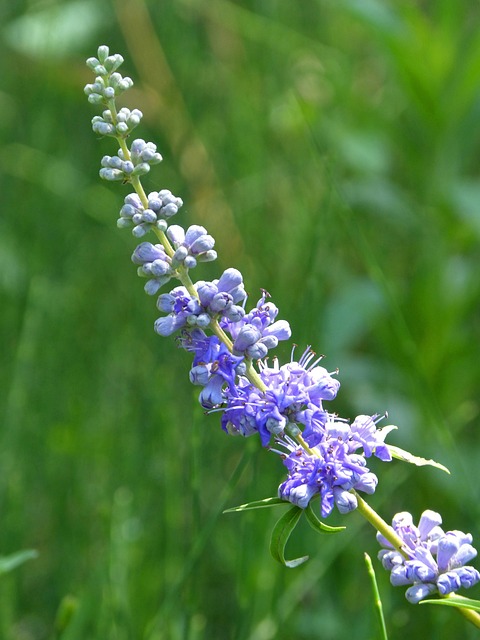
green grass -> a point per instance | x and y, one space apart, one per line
332 150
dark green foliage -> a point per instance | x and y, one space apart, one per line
332 148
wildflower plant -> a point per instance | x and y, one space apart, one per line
286 406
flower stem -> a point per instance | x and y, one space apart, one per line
379 524
471 615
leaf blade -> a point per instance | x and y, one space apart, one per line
257 504
280 535
8 563
455 601
317 524
406 456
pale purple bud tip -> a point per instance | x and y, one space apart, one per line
199 375
390 559
148 252
165 326
230 279
247 336
176 234
103 52
419 592
280 329
448 582
256 351
235 313
270 342
206 291
152 286
166 302
345 501
367 483
300 495
428 520
468 577
194 232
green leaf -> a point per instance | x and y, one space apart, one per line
455 601
405 456
317 524
280 535
8 563
376 597
258 504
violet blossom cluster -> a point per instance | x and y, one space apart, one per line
283 404
325 455
434 560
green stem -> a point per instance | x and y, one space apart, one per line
376 597
221 335
471 615
379 524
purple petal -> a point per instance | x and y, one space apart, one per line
230 279
468 576
428 520
176 234
447 547
448 582
194 232
211 395
165 326
280 329
345 500
247 336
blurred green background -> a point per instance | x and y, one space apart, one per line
332 149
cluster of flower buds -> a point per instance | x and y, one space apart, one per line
432 561
108 83
191 246
154 264
119 125
137 163
160 206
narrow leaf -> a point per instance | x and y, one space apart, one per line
376 597
405 456
8 563
280 535
317 524
455 601
258 504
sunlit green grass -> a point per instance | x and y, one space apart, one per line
332 150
